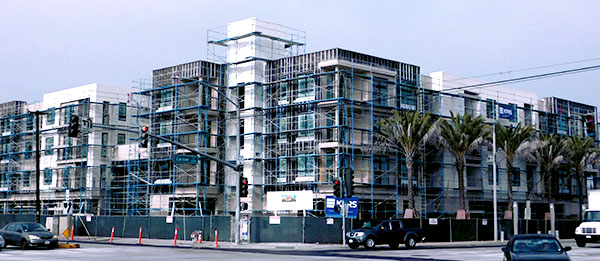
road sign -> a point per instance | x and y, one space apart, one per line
186 159
351 205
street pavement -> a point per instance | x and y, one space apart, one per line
156 249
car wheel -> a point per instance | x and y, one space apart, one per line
24 244
370 243
353 245
580 243
410 242
394 245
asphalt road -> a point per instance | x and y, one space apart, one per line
102 252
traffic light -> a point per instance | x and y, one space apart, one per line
337 192
349 182
144 136
590 124
243 206
243 187
73 130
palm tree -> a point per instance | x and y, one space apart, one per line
405 132
550 154
515 143
460 135
581 153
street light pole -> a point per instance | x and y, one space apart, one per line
495 175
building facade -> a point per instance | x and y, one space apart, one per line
295 121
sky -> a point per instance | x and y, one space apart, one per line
47 46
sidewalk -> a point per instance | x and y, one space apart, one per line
275 246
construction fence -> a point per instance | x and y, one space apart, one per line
291 229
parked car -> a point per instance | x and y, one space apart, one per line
535 247
27 235
2 243
391 232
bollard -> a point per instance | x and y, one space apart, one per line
112 234
539 232
72 231
140 238
502 236
557 235
216 238
175 239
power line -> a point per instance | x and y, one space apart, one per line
529 78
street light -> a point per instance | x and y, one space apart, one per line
495 173
239 165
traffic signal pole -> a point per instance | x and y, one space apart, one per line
38 206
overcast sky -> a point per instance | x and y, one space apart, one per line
52 45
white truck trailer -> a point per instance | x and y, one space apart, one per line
589 230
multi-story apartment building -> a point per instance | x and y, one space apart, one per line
303 120
72 168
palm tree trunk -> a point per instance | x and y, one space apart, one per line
509 180
580 185
409 174
548 180
460 166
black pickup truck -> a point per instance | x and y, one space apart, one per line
390 232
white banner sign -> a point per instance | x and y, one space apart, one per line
289 200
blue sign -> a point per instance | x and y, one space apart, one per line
506 111
351 205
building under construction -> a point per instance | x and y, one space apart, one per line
295 121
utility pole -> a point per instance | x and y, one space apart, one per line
38 207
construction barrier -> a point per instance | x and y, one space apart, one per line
175 239
112 234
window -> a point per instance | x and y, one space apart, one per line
282 168
28 150
122 111
408 97
47 176
306 124
50 116
4 180
490 172
516 177
68 112
166 97
380 93
29 123
26 178
306 166
490 109
527 113
329 86
283 89
65 177
104 151
120 139
381 168
306 87
49 145
68 152
282 127
105 112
